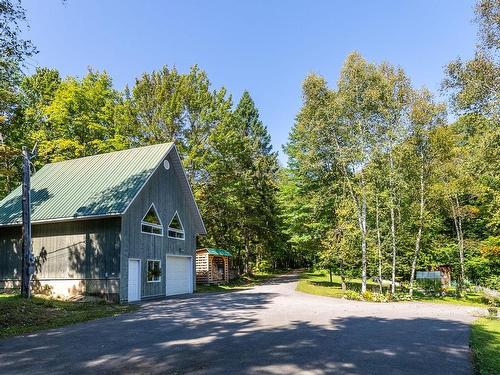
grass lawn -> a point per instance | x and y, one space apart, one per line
242 282
18 315
319 283
470 299
485 344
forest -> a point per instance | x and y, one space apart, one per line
383 179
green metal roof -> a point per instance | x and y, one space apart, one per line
96 185
219 252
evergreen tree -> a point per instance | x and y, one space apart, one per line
260 164
240 188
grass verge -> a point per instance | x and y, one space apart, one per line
319 283
239 283
470 299
485 345
19 315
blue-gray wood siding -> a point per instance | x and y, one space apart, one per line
164 190
10 253
80 249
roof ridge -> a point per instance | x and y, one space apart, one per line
107 153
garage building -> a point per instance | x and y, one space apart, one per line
122 225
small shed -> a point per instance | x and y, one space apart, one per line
441 275
212 266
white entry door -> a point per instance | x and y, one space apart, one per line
134 280
179 275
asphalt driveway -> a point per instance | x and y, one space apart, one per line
270 329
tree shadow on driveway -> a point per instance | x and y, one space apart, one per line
226 335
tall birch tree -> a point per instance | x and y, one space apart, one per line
425 115
354 117
394 107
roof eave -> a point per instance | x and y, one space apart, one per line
63 219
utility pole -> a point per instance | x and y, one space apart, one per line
27 261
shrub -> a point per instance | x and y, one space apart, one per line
493 282
353 295
490 299
367 295
400 297
263 266
379 297
446 291
493 312
478 269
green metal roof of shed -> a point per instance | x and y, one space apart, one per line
219 252
96 185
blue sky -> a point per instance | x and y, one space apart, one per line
264 46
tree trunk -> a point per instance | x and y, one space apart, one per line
246 255
343 283
363 242
461 251
393 244
393 225
361 216
379 246
331 275
238 261
457 220
420 225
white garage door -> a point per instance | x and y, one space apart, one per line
178 275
